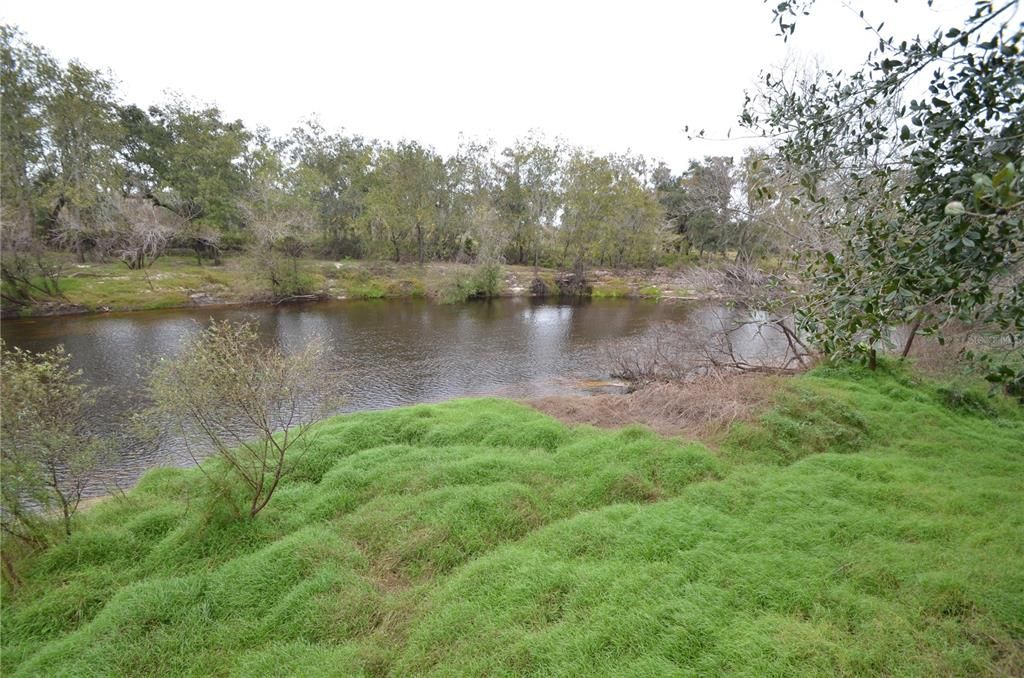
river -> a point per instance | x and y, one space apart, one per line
386 353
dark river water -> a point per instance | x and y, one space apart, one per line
386 353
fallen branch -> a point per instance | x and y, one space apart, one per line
300 297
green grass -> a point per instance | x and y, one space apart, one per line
650 292
169 282
611 288
375 280
867 524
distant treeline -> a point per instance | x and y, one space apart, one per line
88 173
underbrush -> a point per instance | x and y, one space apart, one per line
702 408
866 524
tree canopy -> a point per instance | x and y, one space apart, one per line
913 165
78 160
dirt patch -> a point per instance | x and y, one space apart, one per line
701 408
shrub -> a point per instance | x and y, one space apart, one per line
487 280
48 453
968 400
483 283
251 403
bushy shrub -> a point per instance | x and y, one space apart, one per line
251 403
487 280
483 283
49 453
965 399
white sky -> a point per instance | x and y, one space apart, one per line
607 76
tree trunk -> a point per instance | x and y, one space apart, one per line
419 241
55 212
873 359
913 333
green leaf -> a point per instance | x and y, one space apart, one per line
1005 175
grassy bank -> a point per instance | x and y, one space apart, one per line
867 524
178 281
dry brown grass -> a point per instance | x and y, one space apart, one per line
935 359
701 408
945 359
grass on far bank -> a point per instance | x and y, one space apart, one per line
866 524
175 281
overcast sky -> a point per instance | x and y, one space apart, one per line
607 76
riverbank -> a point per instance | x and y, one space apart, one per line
179 282
860 524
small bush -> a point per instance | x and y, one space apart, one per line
487 280
483 283
614 289
248 402
965 399
293 285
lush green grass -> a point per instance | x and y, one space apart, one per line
867 524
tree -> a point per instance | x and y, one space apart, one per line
404 198
768 216
196 158
467 223
82 136
281 219
529 194
144 231
253 404
333 172
27 76
28 273
706 214
144 151
588 205
61 136
611 216
930 228
49 453
636 233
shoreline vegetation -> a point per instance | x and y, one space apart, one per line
179 282
817 532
